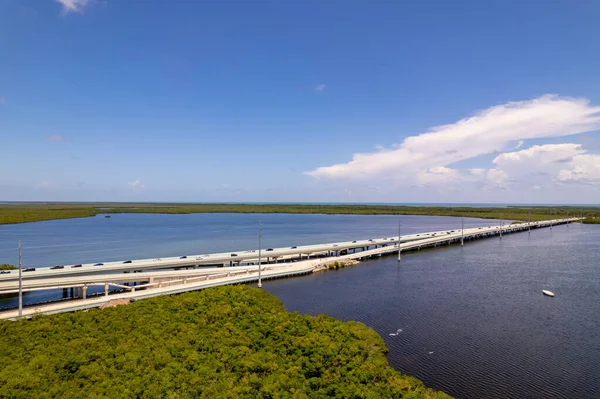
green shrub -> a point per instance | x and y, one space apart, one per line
229 342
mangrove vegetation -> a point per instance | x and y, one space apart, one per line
33 212
224 342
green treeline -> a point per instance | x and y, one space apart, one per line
33 212
6 266
225 342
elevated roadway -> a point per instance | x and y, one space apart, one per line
206 260
169 282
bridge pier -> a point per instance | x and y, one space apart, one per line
84 292
105 289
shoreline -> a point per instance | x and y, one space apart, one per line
28 213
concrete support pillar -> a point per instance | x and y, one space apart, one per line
105 289
84 292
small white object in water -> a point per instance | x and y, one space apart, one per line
548 293
430 353
398 331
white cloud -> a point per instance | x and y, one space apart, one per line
582 168
541 165
55 137
73 5
439 175
483 133
137 184
320 87
497 176
548 158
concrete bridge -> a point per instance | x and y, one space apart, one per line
303 260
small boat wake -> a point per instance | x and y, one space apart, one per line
398 331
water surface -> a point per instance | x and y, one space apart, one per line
474 321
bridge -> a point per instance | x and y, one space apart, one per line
234 258
278 262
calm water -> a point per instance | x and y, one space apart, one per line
474 321
134 236
478 308
138 236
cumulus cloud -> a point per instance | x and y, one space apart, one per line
439 175
55 137
538 157
137 184
486 132
73 5
320 87
582 168
541 165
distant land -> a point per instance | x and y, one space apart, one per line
413 204
23 212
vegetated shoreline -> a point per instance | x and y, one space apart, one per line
35 212
230 341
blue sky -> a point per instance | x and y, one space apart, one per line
272 101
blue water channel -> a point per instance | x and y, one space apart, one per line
468 320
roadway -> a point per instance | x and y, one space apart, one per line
54 279
215 277
220 259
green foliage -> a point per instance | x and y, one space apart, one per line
32 212
10 214
336 265
592 220
225 342
6 266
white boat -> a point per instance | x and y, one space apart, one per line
548 293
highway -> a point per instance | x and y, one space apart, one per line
174 281
220 259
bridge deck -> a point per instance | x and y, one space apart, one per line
190 280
